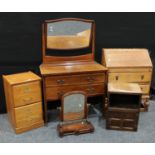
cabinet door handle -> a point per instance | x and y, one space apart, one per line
116 77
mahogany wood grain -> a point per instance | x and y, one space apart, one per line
74 79
55 92
63 74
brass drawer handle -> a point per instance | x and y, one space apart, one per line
90 79
116 77
142 77
27 99
60 81
27 90
91 90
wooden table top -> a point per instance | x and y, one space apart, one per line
47 69
21 77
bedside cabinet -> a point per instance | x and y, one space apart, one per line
24 101
123 106
131 66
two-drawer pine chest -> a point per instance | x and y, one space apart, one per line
130 65
24 101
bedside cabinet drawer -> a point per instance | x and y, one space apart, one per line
130 77
74 79
54 93
27 93
28 115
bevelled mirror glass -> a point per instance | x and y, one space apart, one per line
74 107
68 34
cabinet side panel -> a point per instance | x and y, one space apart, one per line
9 101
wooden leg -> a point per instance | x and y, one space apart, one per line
105 106
45 104
146 104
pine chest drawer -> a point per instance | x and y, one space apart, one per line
27 93
24 101
28 115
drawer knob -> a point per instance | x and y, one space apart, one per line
27 99
142 77
27 90
116 77
60 81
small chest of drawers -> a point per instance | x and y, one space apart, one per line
24 100
131 66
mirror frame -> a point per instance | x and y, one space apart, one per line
69 59
71 93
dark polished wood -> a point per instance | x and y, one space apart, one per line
122 112
75 128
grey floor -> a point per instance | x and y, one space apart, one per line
146 132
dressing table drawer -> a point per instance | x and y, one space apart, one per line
28 115
130 77
27 93
74 79
54 93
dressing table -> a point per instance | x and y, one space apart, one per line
68 48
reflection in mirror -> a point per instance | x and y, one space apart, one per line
74 105
68 35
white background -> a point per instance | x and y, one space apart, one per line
77 6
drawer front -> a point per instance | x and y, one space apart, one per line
74 79
54 93
129 77
145 89
24 94
28 115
